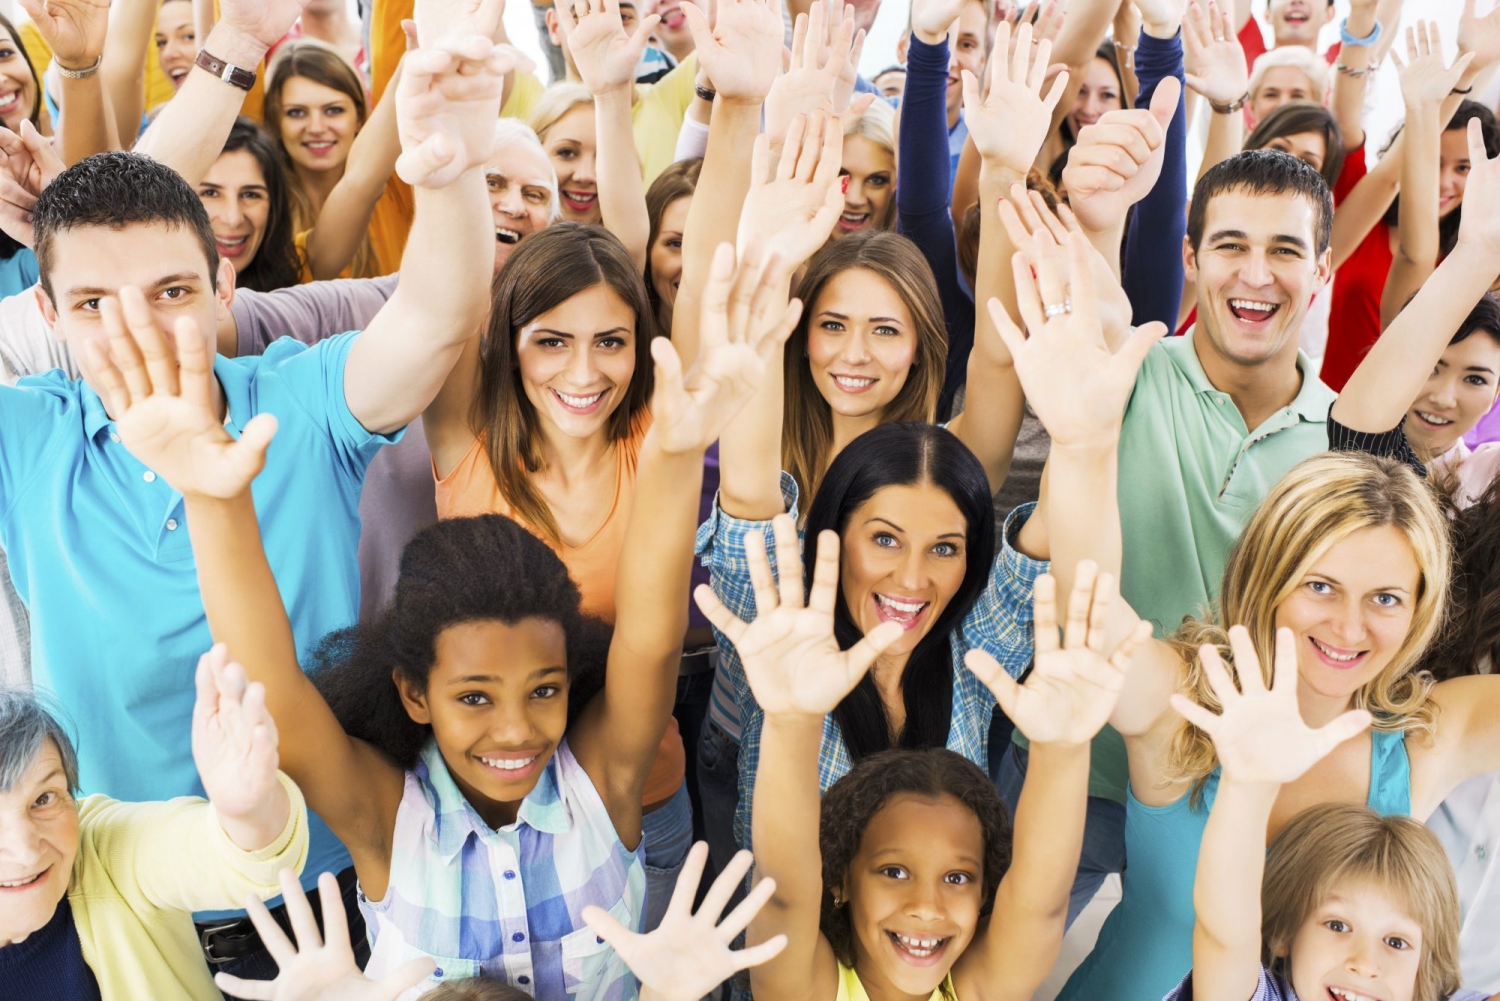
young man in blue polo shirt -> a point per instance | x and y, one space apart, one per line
97 543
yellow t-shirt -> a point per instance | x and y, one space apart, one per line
850 989
657 117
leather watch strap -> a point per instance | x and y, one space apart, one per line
237 75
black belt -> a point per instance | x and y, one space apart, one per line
228 941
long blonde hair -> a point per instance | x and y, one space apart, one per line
1316 505
556 101
878 125
1328 846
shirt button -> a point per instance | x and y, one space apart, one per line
1479 850
438 972
518 937
114 437
171 524
149 476
510 874
523 979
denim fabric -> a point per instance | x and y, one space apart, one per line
667 833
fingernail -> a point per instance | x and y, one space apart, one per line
844 184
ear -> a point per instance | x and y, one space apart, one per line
49 311
554 34
414 699
1325 267
224 288
903 46
1189 259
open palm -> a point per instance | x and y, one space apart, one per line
446 104
1426 77
791 658
1480 226
234 737
792 212
1073 686
267 21
1010 123
73 29
741 50
1214 62
1479 35
1260 735
594 33
813 78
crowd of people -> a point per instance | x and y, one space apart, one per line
718 526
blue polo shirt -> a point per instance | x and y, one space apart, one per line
99 552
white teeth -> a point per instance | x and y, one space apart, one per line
507 764
579 401
1263 307
1348 995
1341 657
1433 418
919 947
231 241
854 216
21 882
852 383
507 235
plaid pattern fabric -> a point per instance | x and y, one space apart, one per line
506 903
1000 623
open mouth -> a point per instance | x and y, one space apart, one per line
853 383
320 148
512 768
10 102
903 611
851 221
177 76
580 404
1344 994
1253 310
22 884
1336 657
1434 421
580 201
917 951
503 235
231 246
673 18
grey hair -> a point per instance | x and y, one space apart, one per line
25 725
511 131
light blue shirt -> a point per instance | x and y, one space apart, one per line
99 552
18 273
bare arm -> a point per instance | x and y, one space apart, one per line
1352 73
123 73
1214 65
75 31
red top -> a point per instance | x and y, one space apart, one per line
1253 41
1354 317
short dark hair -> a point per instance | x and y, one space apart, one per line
115 190
1263 172
1484 318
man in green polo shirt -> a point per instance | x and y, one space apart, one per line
1216 418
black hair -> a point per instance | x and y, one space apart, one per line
115 190
275 264
1448 224
1263 172
900 454
856 798
459 570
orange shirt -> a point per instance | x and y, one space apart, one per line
470 489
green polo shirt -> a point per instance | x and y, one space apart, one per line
1191 474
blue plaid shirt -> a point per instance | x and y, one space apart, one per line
1000 624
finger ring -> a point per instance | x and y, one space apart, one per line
1058 309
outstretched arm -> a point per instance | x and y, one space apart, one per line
1214 65
74 30
127 47
1382 388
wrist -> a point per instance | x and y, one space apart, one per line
753 101
929 37
81 66
1057 754
1094 449
1165 30
792 723
239 48
1231 107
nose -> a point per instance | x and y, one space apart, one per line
583 167
854 195
1362 957
20 842
509 203
510 726
581 370
1256 270
924 901
855 351
1442 391
1348 622
230 212
910 575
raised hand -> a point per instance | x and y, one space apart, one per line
1072 688
791 658
264 21
1260 736
436 20
320 970
1160 18
1479 36
74 29
689 955
1212 57
1010 123
741 50
814 78
28 163
1426 78
162 402
746 321
1118 159
447 101
234 747
1480 226
1076 384
792 212
594 34
931 19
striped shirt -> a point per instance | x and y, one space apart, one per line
1000 623
506 903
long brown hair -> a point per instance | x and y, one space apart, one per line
548 268
678 181
807 421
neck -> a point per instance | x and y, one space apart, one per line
678 50
332 26
1320 710
846 429
317 185
1258 390
567 458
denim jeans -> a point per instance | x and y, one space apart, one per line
719 791
693 694
259 965
667 833
1103 832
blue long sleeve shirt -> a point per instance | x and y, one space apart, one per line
1151 264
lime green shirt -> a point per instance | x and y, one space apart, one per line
1191 474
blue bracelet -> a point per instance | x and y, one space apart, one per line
1368 40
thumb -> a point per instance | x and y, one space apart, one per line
988 670
419 166
1341 729
1164 101
607 927
250 451
698 24
1139 343
406 976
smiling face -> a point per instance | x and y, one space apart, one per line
1297 22
1454 171
497 702
1281 85
1460 390
239 207
666 251
903 557
1099 93
318 124
1351 613
1257 269
17 88
871 172
176 41
861 343
1357 945
520 181
892 83
673 31
577 359
1309 147
571 147
38 843
914 890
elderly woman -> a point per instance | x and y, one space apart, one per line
97 896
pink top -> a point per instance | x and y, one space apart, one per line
1476 469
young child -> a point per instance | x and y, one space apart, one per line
480 821
1354 907
907 891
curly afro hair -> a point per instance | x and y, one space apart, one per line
458 570
853 801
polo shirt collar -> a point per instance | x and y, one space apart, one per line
1311 402
455 820
234 381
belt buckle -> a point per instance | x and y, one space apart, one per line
206 936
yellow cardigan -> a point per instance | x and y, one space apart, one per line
141 872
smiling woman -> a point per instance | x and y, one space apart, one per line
245 193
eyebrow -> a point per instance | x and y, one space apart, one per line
570 336
1388 587
94 292
1239 234
873 319
537 675
887 521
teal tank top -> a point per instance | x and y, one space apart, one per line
1146 944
